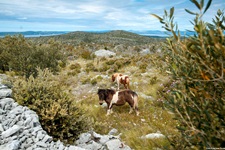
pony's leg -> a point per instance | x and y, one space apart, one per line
136 110
132 106
118 88
131 110
109 111
118 83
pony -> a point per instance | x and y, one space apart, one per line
118 98
123 79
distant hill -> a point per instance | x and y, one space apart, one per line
114 37
33 33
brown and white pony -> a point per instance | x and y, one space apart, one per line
118 98
120 78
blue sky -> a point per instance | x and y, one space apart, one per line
85 15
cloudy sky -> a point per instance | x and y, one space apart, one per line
86 15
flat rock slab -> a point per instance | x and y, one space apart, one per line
104 53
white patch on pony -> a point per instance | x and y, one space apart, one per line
118 77
113 101
135 102
115 98
124 76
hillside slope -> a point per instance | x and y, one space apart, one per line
113 37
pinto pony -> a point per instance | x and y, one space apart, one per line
123 79
118 98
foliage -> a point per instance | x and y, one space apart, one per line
76 68
19 55
86 54
197 65
90 67
58 113
153 80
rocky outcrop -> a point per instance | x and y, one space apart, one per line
20 129
94 141
104 53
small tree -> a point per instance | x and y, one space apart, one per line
197 64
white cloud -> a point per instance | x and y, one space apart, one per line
23 18
7 12
98 14
90 8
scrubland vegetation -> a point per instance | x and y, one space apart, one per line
180 83
66 98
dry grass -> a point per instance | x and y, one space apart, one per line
152 118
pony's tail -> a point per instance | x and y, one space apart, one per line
136 103
135 100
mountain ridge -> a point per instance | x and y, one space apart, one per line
113 37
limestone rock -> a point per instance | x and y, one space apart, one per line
104 53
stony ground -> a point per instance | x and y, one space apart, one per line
20 129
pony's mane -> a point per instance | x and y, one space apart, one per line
112 91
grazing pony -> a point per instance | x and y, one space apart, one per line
120 78
118 98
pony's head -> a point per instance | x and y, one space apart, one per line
103 94
115 75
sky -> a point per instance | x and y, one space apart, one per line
96 15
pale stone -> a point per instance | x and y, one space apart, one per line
5 93
11 131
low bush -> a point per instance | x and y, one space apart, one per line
86 54
75 69
57 110
75 66
90 67
23 57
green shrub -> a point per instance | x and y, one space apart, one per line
110 62
90 67
85 80
73 73
99 78
19 55
75 66
122 62
75 69
103 68
197 65
87 54
94 81
57 111
153 80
